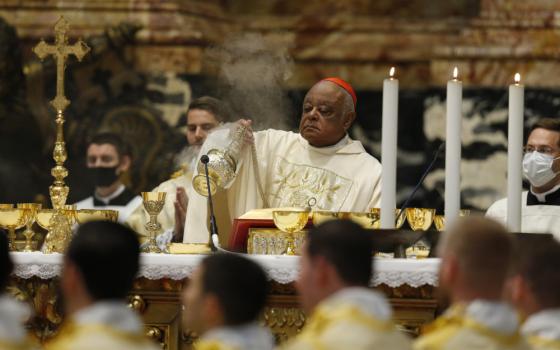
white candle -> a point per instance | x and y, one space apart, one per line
389 129
515 154
453 149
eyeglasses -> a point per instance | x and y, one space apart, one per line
540 149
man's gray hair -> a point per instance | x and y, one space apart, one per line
348 102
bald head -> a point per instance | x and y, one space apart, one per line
328 112
478 252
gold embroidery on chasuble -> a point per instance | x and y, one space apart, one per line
294 184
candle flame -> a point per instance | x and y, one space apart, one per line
455 72
517 78
392 72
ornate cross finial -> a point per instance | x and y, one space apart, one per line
61 50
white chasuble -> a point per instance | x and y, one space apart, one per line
342 177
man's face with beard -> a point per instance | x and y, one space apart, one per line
199 123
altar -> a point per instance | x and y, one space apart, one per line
408 283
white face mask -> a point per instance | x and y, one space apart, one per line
537 168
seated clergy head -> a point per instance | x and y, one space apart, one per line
225 290
336 255
108 157
329 109
535 285
475 258
100 264
541 163
204 114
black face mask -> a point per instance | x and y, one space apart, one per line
103 176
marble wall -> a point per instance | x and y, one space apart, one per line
178 53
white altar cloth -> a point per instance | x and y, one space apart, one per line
282 269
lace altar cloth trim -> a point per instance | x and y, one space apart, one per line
282 269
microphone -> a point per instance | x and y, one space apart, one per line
213 226
440 149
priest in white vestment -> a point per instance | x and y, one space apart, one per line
476 255
540 211
204 114
223 301
320 166
342 312
534 290
100 266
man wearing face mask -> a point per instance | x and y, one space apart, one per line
108 157
540 210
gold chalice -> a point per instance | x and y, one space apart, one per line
366 220
420 218
86 215
153 204
439 220
12 219
31 213
321 216
290 221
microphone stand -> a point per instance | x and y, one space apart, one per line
213 226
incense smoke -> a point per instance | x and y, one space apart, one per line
251 76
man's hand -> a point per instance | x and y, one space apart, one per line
249 139
181 202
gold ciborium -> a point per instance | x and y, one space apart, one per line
366 220
439 220
290 221
12 219
31 210
321 216
420 218
153 204
86 215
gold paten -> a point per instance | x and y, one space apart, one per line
189 248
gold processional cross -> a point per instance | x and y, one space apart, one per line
59 224
61 50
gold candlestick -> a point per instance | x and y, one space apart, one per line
60 226
153 204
